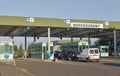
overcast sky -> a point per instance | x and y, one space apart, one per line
107 10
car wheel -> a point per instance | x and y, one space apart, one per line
87 60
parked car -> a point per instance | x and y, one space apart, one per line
58 54
70 56
91 54
112 53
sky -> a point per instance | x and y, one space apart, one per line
76 9
107 10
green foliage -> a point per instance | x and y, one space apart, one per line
102 41
29 48
21 51
16 51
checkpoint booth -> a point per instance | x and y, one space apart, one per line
40 50
6 50
104 51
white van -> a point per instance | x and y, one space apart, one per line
90 54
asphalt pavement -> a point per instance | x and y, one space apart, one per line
37 67
106 67
8 68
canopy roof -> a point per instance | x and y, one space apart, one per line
22 26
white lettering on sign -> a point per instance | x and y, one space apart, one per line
67 21
105 23
30 19
86 25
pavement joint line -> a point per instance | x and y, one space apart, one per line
25 71
20 69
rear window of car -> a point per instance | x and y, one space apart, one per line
91 51
96 51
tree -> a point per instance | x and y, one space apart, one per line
29 49
103 41
21 51
16 51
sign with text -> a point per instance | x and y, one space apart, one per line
30 19
67 21
86 25
105 23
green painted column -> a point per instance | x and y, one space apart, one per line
115 43
49 39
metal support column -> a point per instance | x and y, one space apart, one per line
49 39
34 39
71 39
115 43
89 42
25 45
80 38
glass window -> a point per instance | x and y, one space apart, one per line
106 50
86 46
44 48
83 47
103 49
80 48
6 48
91 51
96 51
51 48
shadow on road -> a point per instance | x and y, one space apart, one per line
112 64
